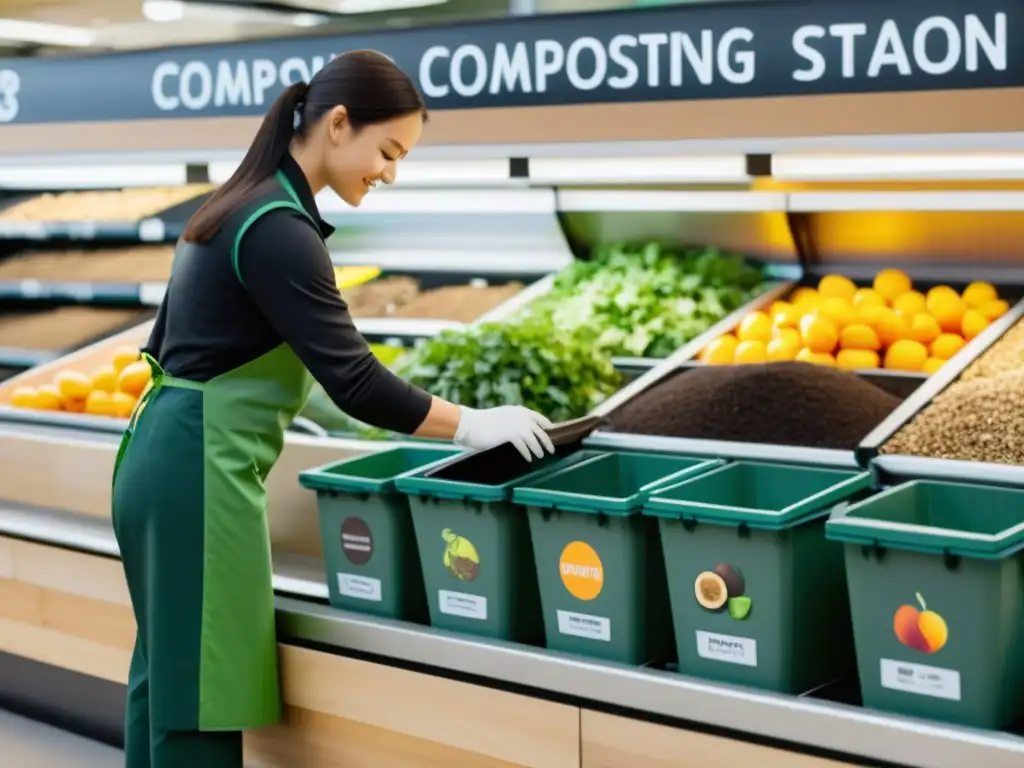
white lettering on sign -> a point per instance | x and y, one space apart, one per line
921 679
936 46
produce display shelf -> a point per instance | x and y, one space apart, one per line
828 719
149 230
649 201
146 294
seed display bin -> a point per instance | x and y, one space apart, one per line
758 594
369 544
599 563
936 583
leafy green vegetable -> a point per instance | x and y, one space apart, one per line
646 302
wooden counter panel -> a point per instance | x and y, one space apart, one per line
617 742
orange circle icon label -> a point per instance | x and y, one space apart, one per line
581 570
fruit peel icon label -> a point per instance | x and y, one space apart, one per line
923 630
723 589
581 570
460 556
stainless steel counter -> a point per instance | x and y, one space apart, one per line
801 720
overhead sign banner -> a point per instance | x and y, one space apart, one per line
706 51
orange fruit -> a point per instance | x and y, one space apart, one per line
788 316
720 351
994 309
790 334
837 286
756 326
125 356
932 364
122 404
859 336
134 378
906 355
99 403
856 359
867 297
892 327
804 295
105 379
940 291
973 323
924 328
73 385
73 404
839 311
48 398
818 334
872 314
979 293
783 348
947 345
890 283
909 304
24 397
750 351
948 309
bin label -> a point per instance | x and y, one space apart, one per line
921 679
581 570
587 627
462 604
460 556
727 648
356 540
359 587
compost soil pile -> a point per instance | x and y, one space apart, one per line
64 327
786 403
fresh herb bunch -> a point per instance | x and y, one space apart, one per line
528 363
645 301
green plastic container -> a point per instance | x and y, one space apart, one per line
369 545
599 563
758 593
474 543
936 580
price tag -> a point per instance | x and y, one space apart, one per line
152 230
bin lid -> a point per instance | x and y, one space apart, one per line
374 472
933 517
758 495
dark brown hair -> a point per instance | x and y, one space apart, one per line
368 84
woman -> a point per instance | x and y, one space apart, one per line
252 314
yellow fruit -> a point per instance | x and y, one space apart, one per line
751 351
837 286
867 297
791 335
788 316
924 328
806 355
906 355
947 345
73 404
24 397
73 385
856 359
778 306
134 378
720 351
756 326
940 291
804 295
890 283
932 364
909 304
125 356
872 314
892 327
859 336
948 309
99 403
839 311
973 323
994 309
122 404
979 293
105 379
48 398
818 334
783 348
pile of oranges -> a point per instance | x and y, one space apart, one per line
889 325
111 390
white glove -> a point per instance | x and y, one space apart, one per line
483 429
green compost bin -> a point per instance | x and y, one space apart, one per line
758 593
936 580
370 554
599 563
474 543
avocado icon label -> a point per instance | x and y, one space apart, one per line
581 570
356 541
723 589
460 556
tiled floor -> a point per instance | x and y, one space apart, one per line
28 744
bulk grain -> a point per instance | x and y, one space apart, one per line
786 403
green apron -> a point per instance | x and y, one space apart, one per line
190 516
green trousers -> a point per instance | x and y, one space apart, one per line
150 747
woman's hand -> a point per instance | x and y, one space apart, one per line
483 429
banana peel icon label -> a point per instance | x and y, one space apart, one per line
460 556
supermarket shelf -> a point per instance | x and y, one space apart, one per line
447 201
387 327
79 421
805 720
820 202
15 357
150 230
495 260
641 201
77 293
529 294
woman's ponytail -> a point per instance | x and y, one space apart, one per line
265 154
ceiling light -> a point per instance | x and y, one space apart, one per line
163 10
309 19
375 6
45 34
